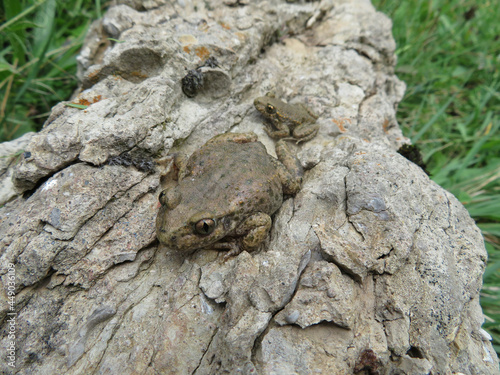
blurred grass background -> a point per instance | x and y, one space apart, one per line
40 41
448 54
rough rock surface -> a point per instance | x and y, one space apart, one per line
10 153
372 268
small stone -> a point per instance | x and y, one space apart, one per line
292 317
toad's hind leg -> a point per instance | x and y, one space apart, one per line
234 137
289 168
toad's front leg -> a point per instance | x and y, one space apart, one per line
253 231
305 132
282 129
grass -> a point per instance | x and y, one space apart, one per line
449 56
40 40
448 51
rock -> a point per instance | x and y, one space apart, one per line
370 268
10 153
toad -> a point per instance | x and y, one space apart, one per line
290 121
226 193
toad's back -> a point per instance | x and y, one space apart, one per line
231 174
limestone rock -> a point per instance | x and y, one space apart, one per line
10 153
370 268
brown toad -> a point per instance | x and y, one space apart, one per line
225 195
296 119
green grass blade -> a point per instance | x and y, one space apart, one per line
45 19
17 16
488 208
16 36
434 118
479 143
490 228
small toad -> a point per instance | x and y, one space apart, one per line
296 119
225 195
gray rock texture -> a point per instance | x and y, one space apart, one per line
10 154
370 269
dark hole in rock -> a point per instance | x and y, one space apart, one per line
415 352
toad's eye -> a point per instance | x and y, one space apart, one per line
205 226
270 109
